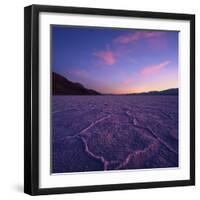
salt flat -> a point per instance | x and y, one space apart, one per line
114 132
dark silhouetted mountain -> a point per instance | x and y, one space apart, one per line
172 91
62 86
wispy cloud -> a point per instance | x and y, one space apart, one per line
132 37
107 57
150 69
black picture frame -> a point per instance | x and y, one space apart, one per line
31 98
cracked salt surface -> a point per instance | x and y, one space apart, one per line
95 133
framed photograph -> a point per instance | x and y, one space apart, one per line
109 99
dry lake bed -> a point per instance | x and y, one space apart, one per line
114 132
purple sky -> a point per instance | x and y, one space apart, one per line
116 61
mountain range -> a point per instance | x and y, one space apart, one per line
171 91
63 86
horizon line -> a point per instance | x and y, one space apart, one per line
110 93
138 92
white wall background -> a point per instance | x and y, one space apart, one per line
11 100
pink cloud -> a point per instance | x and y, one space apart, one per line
152 34
106 56
125 39
150 69
132 37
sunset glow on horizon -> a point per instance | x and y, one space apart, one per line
117 61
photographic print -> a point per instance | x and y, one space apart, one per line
109 99
114 103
